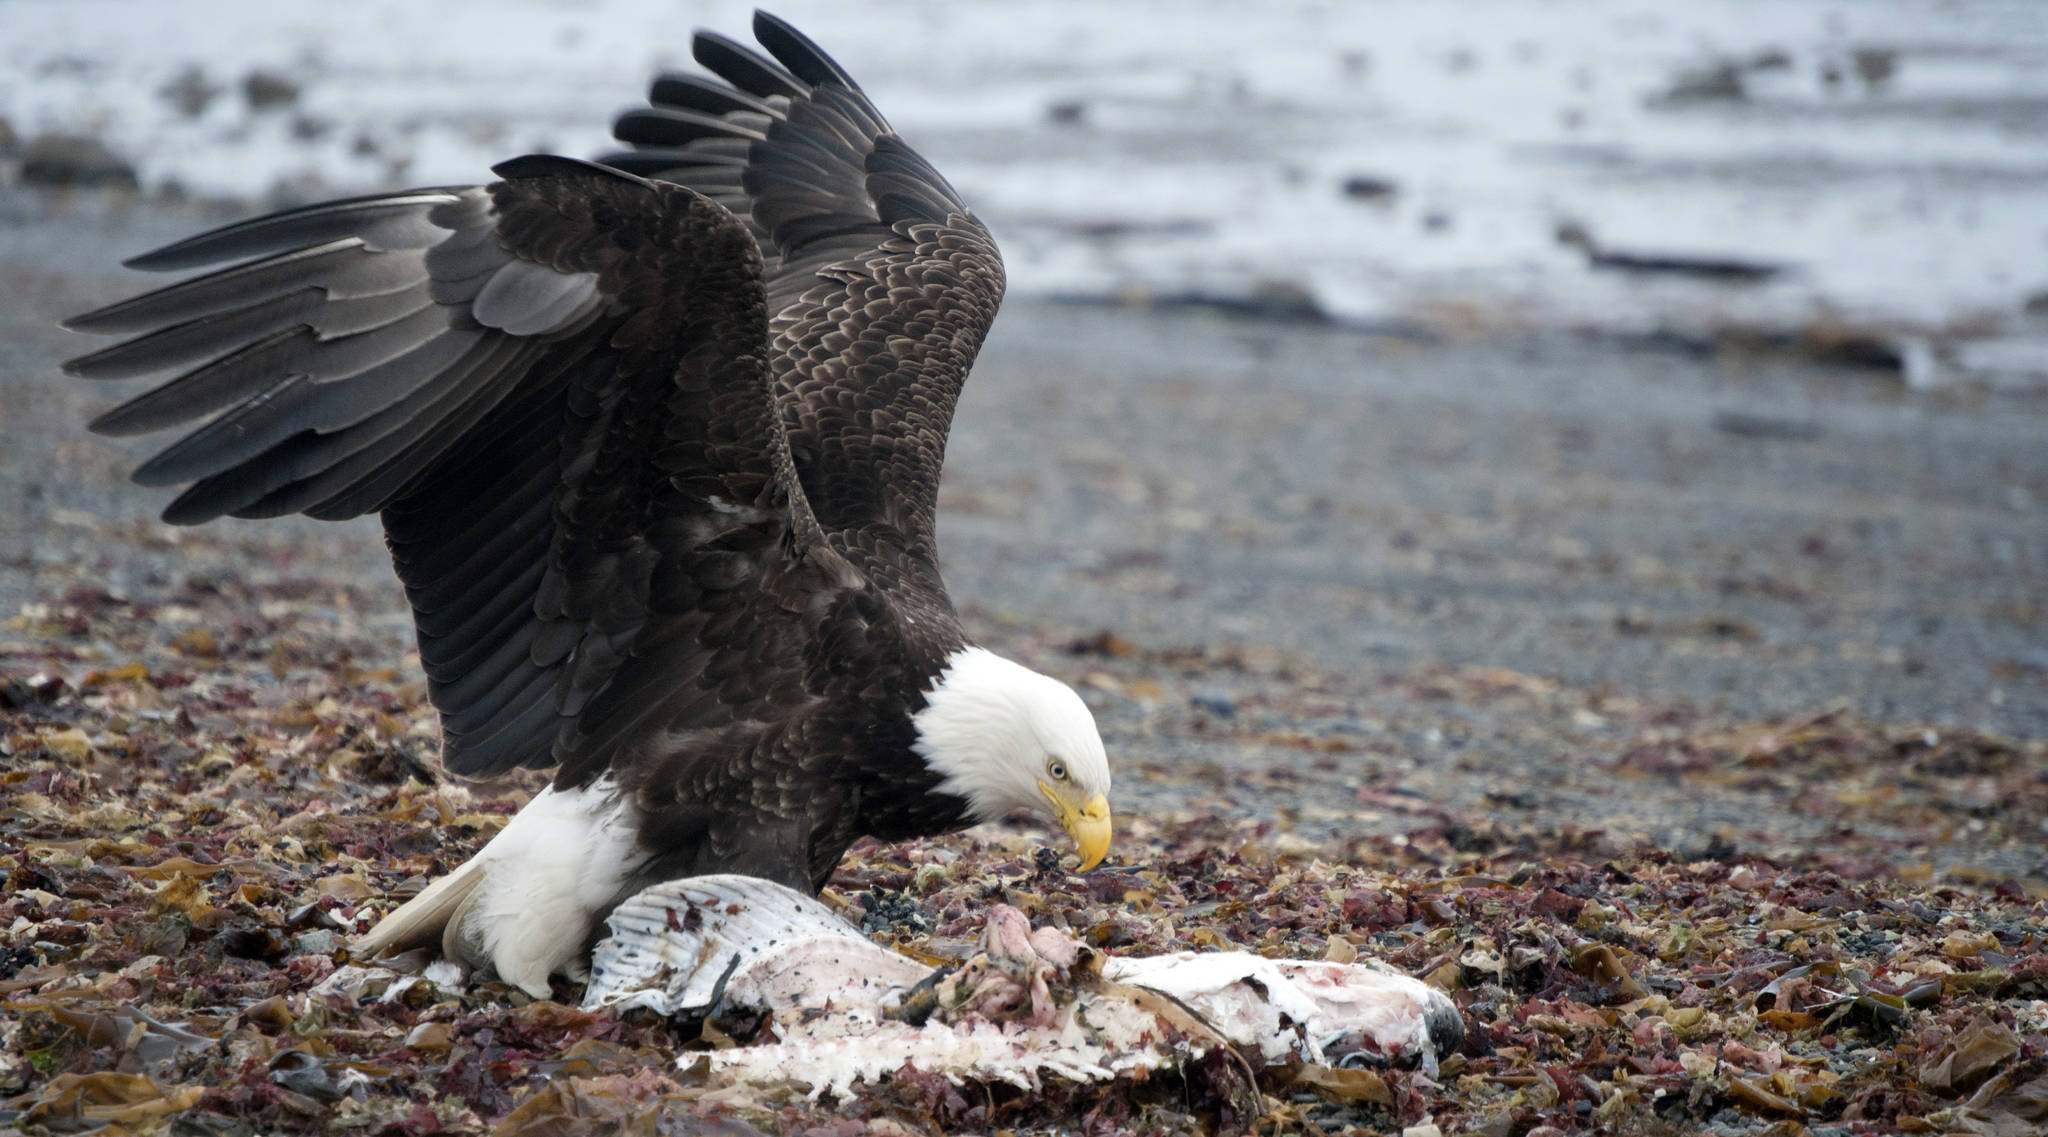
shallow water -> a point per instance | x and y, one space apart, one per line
1884 165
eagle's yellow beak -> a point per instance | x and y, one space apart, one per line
1088 824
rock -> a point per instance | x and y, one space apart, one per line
1067 112
1104 643
1724 80
267 90
1720 83
191 92
1214 703
1826 341
74 160
1287 300
1749 425
317 942
1771 59
1875 65
1114 228
205 1123
1728 269
1575 235
889 911
1367 187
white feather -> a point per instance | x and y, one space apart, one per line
562 861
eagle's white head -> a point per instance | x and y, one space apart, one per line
1005 737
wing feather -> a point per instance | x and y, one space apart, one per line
677 126
881 283
555 392
795 51
382 223
377 374
345 269
743 67
222 382
698 93
197 339
527 299
346 473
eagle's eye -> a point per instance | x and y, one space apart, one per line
1057 769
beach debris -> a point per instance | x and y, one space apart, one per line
190 92
267 90
829 1008
1747 424
165 810
1875 65
74 160
1215 703
1067 112
1721 80
1370 188
1731 270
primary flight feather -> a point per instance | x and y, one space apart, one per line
656 444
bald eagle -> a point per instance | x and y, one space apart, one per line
656 446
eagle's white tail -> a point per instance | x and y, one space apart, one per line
425 918
528 901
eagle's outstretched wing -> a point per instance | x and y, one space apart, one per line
556 392
881 284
